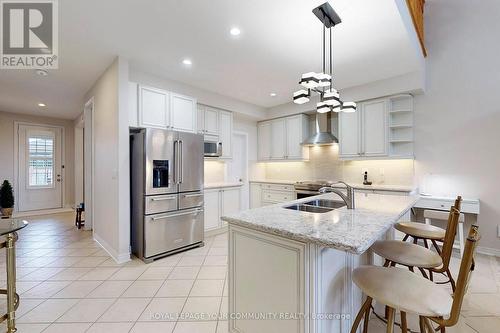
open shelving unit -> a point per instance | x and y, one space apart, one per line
401 126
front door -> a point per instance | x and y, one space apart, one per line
40 168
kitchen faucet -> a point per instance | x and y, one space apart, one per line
348 199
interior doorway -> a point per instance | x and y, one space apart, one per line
88 163
40 167
238 167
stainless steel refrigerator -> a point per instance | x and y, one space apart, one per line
166 171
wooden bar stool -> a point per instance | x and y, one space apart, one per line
415 256
430 215
401 290
425 231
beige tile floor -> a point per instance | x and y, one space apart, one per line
68 283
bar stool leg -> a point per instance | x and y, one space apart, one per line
461 238
421 324
367 316
404 323
11 282
390 321
360 314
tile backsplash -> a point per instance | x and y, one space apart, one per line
324 163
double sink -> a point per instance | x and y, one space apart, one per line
317 206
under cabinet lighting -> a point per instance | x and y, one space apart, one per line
42 105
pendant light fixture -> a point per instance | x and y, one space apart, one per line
322 83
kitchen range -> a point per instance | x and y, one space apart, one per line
166 192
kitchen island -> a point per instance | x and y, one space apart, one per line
290 270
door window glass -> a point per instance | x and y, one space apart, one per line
40 161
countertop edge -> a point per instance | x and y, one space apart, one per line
299 237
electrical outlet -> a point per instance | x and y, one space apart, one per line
381 172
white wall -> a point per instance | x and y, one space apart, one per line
457 121
111 220
7 148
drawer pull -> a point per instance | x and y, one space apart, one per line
193 195
163 199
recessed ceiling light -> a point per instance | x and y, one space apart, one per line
42 105
235 31
42 72
187 62
272 94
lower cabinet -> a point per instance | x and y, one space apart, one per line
220 202
263 194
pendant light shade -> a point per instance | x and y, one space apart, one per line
322 107
301 96
349 107
331 97
324 80
310 80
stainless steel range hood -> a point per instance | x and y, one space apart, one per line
323 135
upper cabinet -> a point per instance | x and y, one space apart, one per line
154 108
161 109
226 133
381 128
280 139
217 124
183 113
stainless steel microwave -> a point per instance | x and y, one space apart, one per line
212 148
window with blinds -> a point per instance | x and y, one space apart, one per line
41 161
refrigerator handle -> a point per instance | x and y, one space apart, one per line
181 163
176 162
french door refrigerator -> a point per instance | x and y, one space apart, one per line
166 171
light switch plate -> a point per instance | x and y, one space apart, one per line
498 230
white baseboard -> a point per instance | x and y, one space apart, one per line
488 251
214 232
120 258
43 212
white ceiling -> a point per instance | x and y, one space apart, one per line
280 40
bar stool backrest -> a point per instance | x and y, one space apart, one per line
458 203
449 237
466 268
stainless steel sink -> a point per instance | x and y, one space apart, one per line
325 203
317 206
309 209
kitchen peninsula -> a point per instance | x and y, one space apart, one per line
292 269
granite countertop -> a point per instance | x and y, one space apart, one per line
353 230
208 186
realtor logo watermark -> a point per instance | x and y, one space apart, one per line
29 34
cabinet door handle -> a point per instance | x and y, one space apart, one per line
163 199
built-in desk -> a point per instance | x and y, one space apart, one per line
469 206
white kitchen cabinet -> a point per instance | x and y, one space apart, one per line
297 129
226 133
363 134
200 118
255 195
183 113
374 125
264 140
154 107
220 202
263 194
211 121
280 139
211 209
230 201
349 134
